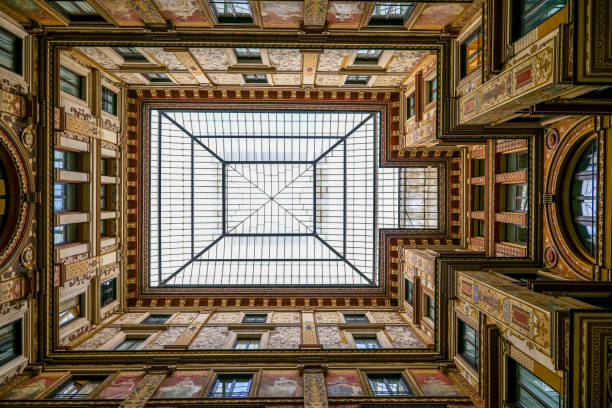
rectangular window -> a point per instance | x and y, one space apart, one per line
386 13
357 79
410 106
156 77
429 308
367 56
156 319
108 292
409 292
130 54
471 54
388 385
131 343
103 228
65 197
517 234
64 234
103 191
247 344
77 10
477 197
431 90
527 390
255 78
10 51
72 83
255 318
516 161
104 167
10 341
366 342
248 55
528 14
109 101
477 228
78 387
355 318
232 11
516 197
468 343
231 386
478 167
66 160
70 310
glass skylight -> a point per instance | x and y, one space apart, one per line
271 198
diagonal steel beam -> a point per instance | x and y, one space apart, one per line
189 262
344 259
363 122
195 139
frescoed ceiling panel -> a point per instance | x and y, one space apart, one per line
282 14
345 14
285 59
437 16
286 79
225 79
332 60
212 59
184 13
405 61
122 13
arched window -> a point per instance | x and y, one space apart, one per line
583 197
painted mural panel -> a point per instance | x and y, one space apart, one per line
345 14
281 14
343 383
434 382
436 16
183 13
34 386
182 384
121 12
35 12
284 337
285 60
280 383
404 337
121 386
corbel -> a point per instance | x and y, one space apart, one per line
160 368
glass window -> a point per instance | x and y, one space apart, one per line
104 167
517 234
471 53
477 197
64 234
64 197
429 308
528 391
10 341
478 167
103 228
355 318
409 291
252 55
386 385
385 13
367 56
477 227
78 387
468 343
528 14
231 386
247 344
108 292
65 160
10 51
77 10
255 78
70 310
357 79
232 11
366 342
103 191
130 343
72 83
583 200
516 197
109 101
255 318
156 319
516 161
431 90
410 107
130 54
156 77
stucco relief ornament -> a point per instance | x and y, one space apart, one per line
27 137
552 138
550 257
27 257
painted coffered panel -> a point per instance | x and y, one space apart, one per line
388 80
436 16
41 13
212 59
329 80
405 61
191 64
333 60
99 55
132 78
164 58
184 13
121 12
225 79
184 78
310 61
281 14
345 14
286 79
285 59
147 11
315 13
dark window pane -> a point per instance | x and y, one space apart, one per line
71 83
231 386
527 390
10 51
156 319
583 201
78 387
255 318
77 10
528 14
471 53
70 310
355 318
409 291
10 341
385 385
366 343
130 54
108 292
468 343
385 13
109 101
357 79
232 11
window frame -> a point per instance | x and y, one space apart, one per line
512 161
473 361
235 18
255 78
464 58
108 106
68 194
156 316
353 79
69 234
411 105
95 380
511 234
409 289
235 378
368 339
250 340
251 57
136 341
13 338
76 308
478 197
512 199
156 77
429 307
514 384
391 19
369 56
431 90
130 54
72 88
68 160
373 375
355 320
104 292
15 52
518 25
255 317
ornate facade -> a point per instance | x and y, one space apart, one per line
305 203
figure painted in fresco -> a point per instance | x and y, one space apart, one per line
186 388
28 391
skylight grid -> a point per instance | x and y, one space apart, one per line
418 197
